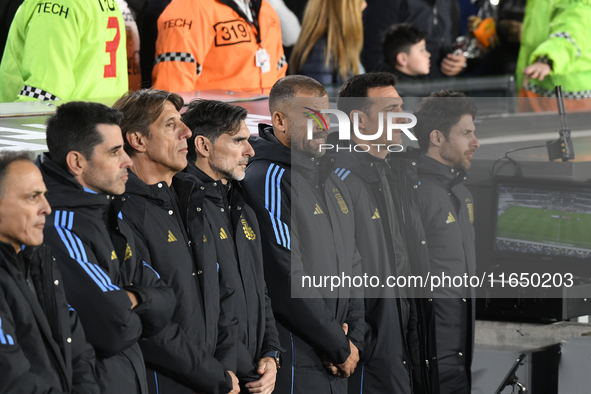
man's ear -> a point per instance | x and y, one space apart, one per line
436 138
279 121
362 119
76 163
136 140
203 146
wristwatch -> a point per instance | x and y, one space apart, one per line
275 355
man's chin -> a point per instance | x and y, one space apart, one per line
467 164
35 240
115 190
238 175
179 165
314 147
316 153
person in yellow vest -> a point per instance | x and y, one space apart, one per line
65 50
555 50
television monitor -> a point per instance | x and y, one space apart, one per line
542 220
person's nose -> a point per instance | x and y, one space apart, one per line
45 207
249 151
126 160
475 143
185 132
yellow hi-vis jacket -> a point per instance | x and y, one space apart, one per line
66 50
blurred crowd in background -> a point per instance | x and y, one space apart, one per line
188 45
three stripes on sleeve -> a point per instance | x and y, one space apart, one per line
63 223
273 204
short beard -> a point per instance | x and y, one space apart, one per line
308 151
227 175
304 147
460 163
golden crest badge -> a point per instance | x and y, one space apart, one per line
250 235
342 204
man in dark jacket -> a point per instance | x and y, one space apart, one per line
445 132
42 343
218 155
387 231
200 354
119 298
307 231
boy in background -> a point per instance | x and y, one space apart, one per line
405 53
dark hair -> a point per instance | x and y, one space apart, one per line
400 38
358 86
441 111
73 128
6 159
287 88
141 109
211 119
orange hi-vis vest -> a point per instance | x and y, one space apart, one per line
210 44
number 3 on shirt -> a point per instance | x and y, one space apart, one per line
111 68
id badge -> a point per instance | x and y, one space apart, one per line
262 60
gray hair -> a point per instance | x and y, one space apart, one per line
6 159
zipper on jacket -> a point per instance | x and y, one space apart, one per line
292 361
51 308
406 197
187 195
49 293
